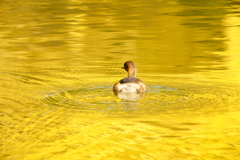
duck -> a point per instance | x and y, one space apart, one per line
131 83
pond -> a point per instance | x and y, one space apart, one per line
60 60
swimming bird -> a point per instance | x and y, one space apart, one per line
131 83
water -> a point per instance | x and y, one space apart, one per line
59 61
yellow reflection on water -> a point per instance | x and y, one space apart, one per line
59 61
63 134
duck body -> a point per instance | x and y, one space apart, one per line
129 87
131 83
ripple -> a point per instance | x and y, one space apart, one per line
102 98
85 98
157 98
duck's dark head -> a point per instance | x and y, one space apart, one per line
129 66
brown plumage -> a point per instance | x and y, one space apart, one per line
131 83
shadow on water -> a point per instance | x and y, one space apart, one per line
132 96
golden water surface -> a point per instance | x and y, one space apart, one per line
60 59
